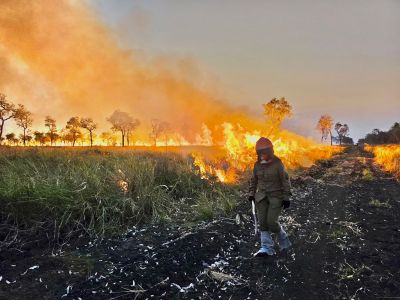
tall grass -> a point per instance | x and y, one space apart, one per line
58 191
387 156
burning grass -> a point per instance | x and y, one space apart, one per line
236 155
387 156
58 192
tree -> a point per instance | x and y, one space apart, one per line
74 132
7 111
158 128
324 125
108 138
347 140
130 129
24 119
276 111
392 136
124 123
89 125
11 138
52 133
64 136
342 130
166 132
55 136
41 138
28 137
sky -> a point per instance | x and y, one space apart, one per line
336 57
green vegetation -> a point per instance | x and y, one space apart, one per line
339 233
59 191
379 137
367 174
377 203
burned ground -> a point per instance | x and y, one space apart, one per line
343 222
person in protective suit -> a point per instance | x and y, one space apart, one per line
270 190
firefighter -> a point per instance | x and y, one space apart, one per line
270 190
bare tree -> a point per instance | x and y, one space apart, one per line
7 111
158 128
124 123
52 133
74 132
342 131
89 125
166 132
24 119
324 125
276 111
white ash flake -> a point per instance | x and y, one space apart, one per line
68 290
183 289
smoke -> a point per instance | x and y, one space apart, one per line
58 59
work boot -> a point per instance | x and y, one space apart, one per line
267 245
283 240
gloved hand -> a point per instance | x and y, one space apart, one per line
286 204
251 198
286 201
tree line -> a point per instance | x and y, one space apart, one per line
73 132
376 136
275 111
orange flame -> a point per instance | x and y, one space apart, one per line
239 154
387 156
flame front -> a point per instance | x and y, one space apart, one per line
238 152
387 156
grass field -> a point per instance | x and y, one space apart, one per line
59 192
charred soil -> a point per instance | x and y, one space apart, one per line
343 222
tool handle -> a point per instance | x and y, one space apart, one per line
253 209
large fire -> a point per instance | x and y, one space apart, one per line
59 59
387 156
238 152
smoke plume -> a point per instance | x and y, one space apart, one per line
59 59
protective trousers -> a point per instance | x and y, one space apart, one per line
268 210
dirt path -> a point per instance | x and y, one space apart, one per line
344 224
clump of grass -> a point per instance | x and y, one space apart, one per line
83 265
367 174
339 232
215 204
58 191
333 171
347 271
376 203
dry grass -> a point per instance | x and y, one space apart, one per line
59 191
387 156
